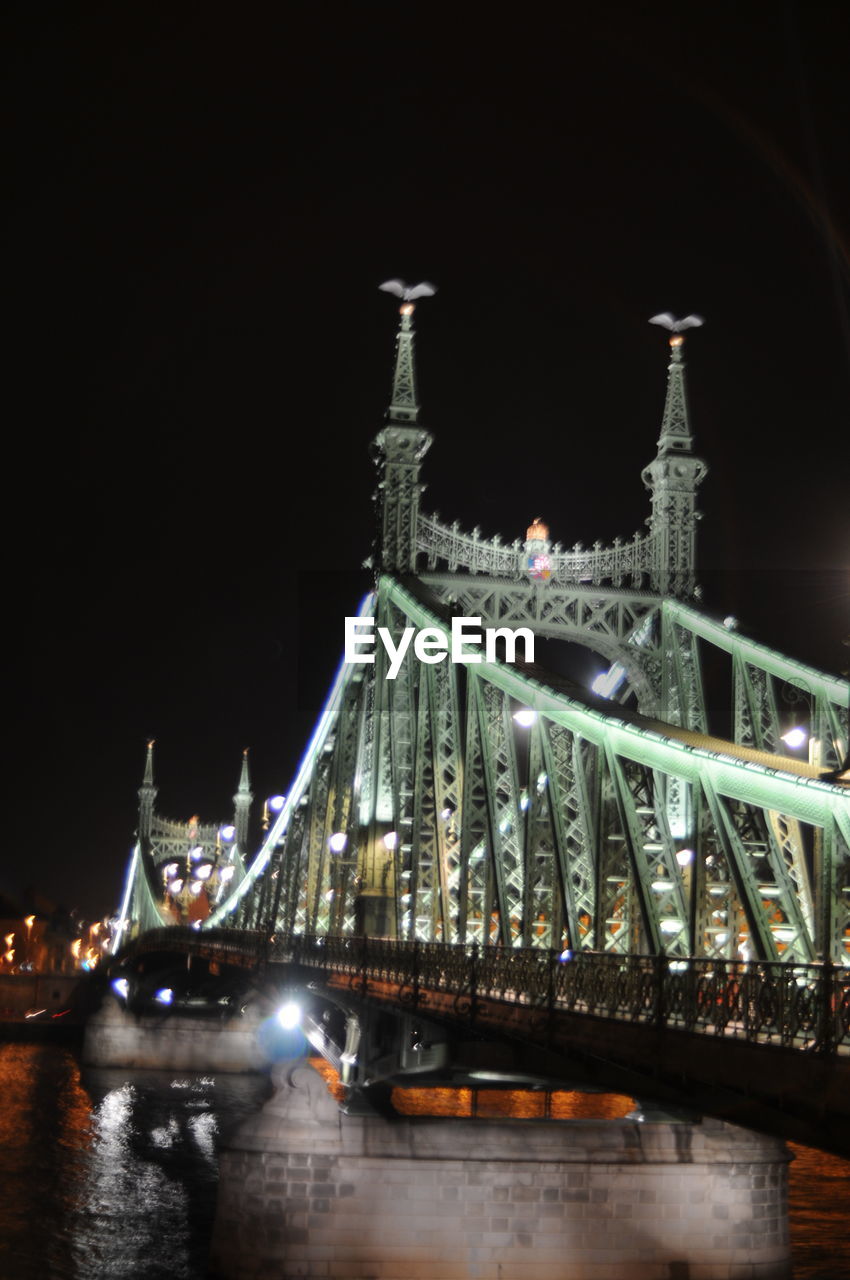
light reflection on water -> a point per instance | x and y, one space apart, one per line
819 1214
109 1173
113 1174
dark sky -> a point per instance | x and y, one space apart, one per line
202 200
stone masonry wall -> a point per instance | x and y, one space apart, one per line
306 1191
116 1038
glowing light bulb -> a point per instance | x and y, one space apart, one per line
289 1016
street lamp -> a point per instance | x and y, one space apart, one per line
800 733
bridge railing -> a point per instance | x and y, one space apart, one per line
806 1007
800 1006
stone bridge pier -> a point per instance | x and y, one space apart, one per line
306 1190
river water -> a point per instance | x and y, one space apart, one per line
111 1175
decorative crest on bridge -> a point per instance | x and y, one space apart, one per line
675 424
404 404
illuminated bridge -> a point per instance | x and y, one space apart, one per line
531 882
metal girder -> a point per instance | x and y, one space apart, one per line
447 770
543 839
573 822
565 833
682 697
655 875
606 620
765 680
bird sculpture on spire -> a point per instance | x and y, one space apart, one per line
408 293
669 321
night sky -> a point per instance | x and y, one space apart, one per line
202 200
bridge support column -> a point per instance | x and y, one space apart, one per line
117 1038
307 1191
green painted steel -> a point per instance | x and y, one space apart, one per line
619 825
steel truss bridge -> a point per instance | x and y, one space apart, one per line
506 840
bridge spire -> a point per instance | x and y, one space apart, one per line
673 477
400 446
404 401
147 795
242 804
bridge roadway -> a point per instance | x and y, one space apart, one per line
764 1046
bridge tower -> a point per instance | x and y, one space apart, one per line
672 479
179 869
147 796
398 450
242 806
